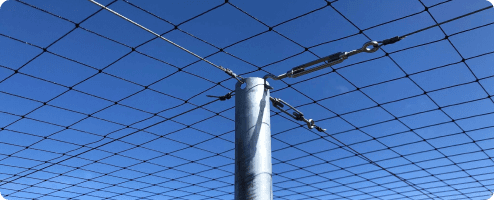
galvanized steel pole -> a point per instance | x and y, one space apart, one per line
253 169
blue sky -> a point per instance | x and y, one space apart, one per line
85 116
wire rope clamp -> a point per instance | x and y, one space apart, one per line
222 98
320 129
391 40
232 74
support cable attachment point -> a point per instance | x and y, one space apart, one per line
222 98
233 75
267 86
297 115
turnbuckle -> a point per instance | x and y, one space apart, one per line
297 115
333 59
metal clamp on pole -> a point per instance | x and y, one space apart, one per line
330 60
297 115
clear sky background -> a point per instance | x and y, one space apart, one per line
85 116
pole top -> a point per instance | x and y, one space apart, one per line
252 82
